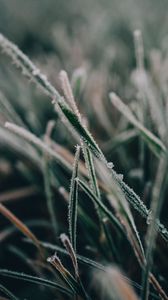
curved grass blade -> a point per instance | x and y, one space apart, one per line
86 261
21 226
36 280
27 135
28 68
138 205
73 283
154 143
8 293
67 244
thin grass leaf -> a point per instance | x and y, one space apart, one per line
21 226
66 86
104 209
49 196
36 280
140 71
139 49
9 111
109 238
91 170
121 139
154 143
86 261
138 205
78 82
68 246
73 201
93 264
81 259
29 69
27 66
64 273
30 137
8 293
81 130
74 284
156 205
47 179
120 205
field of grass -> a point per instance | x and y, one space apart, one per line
83 149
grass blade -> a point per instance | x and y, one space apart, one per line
68 246
34 279
8 293
21 226
154 143
86 261
27 135
29 69
104 209
81 130
90 167
47 180
73 201
156 205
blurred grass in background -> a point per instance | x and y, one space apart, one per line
92 40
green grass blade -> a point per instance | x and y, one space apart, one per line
154 143
91 170
73 201
104 209
156 205
85 260
8 293
80 129
49 195
138 205
34 279
27 66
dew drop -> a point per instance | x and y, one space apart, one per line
120 176
110 165
149 218
164 230
53 101
36 72
43 77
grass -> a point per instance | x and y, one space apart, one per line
101 235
